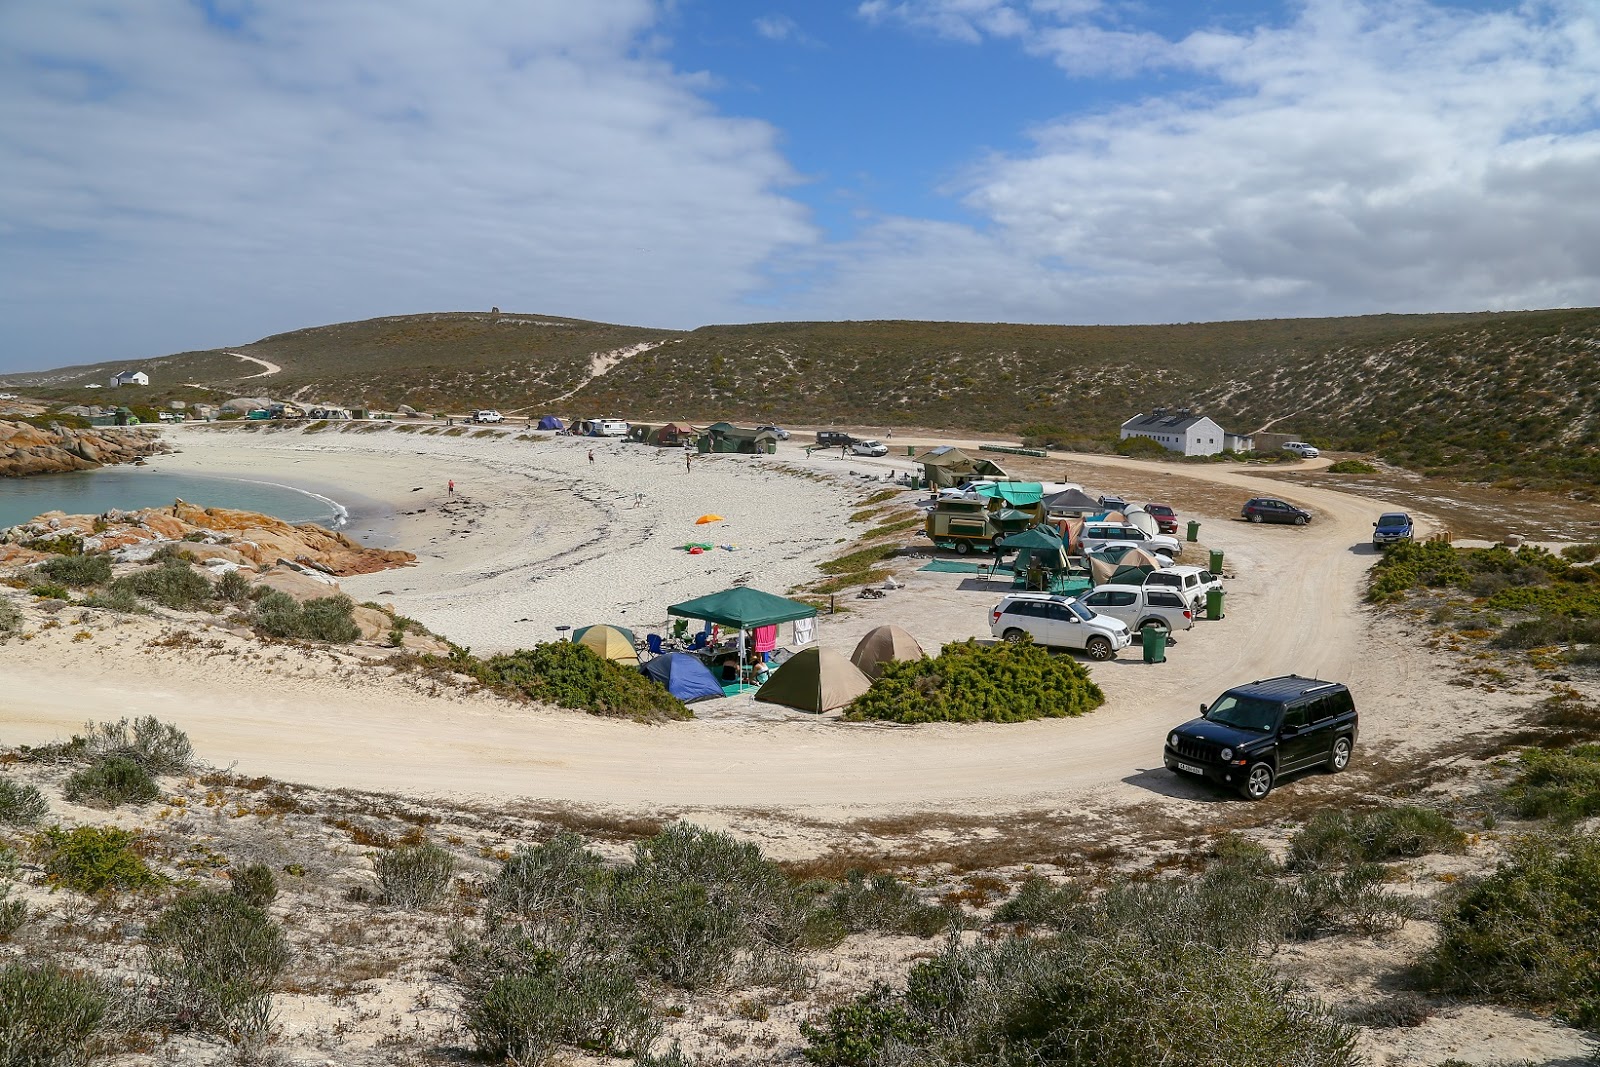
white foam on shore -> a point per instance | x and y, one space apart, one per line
341 514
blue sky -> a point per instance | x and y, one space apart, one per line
192 173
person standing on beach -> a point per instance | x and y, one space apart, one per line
686 455
452 485
591 455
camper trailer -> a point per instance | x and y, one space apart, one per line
974 525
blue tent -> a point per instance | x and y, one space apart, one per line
684 675
550 422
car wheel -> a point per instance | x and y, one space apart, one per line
1098 648
1339 759
962 548
1015 636
1255 516
1257 783
1299 520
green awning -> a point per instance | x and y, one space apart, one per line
1018 493
744 608
1040 537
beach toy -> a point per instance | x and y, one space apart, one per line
696 550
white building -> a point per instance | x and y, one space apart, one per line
130 377
1181 431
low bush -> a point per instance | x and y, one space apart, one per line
1043 903
1529 933
10 617
110 782
855 1033
216 957
969 682
1352 466
572 676
233 587
1352 900
1337 838
1584 553
595 1005
887 905
52 1017
78 571
159 747
414 876
1142 448
94 859
323 619
255 884
173 584
1561 784
21 804
49 590
122 600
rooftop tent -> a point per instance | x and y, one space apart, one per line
743 608
1015 493
816 680
607 642
550 422
1145 521
881 645
684 676
1072 502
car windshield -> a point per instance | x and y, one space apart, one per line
1244 713
1080 610
1394 520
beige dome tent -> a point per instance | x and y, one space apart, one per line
881 645
815 679
1101 569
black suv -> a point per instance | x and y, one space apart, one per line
1271 509
833 438
1253 733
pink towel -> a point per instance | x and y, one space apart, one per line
766 638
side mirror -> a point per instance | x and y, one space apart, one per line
1204 708
1374 524
1074 620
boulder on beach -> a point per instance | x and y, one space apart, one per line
242 404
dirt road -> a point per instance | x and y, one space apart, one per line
1293 607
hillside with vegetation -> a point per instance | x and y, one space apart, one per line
1487 395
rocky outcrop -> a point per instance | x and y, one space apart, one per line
26 449
240 537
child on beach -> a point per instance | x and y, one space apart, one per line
591 455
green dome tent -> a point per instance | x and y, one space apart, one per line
815 680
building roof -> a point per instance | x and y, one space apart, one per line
1164 421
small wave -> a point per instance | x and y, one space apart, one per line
341 514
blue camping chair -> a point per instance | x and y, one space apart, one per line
699 642
653 643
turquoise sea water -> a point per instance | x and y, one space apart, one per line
128 488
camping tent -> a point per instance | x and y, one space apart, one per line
948 466
1145 521
684 675
882 644
1105 564
672 435
1040 543
815 679
1072 503
607 642
550 422
1016 494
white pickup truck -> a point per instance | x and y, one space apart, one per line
488 415
1141 606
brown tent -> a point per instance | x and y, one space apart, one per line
815 679
1102 569
881 645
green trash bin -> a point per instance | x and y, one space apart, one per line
1216 562
1213 603
1194 531
911 450
1154 640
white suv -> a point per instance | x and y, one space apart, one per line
1192 582
868 447
1141 606
1098 535
1300 448
1058 622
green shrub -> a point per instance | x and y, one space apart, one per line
173 584
233 587
1344 901
547 879
1528 934
67 544
51 1017
571 676
1041 902
1413 564
94 859
10 617
1585 553
1352 466
255 884
886 904
969 682
21 804
1142 448
1341 838
49 590
323 619
78 571
122 600
856 1032
414 876
159 747
1560 784
592 1004
110 782
216 957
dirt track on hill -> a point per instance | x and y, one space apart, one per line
1295 606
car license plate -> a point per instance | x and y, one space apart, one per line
1191 768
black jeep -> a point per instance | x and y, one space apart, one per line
1253 733
833 438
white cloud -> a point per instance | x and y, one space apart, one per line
174 182
777 27
1365 157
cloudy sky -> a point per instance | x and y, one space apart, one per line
183 174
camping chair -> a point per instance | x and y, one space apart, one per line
699 642
679 628
653 643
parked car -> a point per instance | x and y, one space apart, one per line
783 435
488 415
170 416
1142 605
1098 535
1271 509
1300 448
1058 622
1166 518
1113 503
833 438
1193 582
1392 526
8 396
967 490
1254 734
868 446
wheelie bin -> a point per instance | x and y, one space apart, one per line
1194 531
1213 603
1154 640
1216 561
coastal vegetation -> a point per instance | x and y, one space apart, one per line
969 682
565 675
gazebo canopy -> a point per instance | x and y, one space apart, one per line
1042 538
1013 492
743 608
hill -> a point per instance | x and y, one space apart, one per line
1484 395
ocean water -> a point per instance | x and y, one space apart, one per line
129 488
